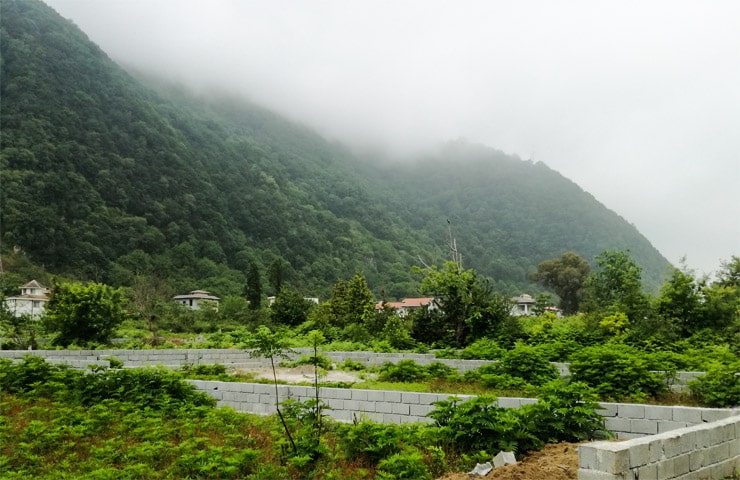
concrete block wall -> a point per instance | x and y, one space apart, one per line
706 451
624 420
345 405
632 420
234 358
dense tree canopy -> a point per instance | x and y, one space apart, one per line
84 313
566 276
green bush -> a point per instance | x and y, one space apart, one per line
322 361
616 372
369 443
408 465
352 365
480 424
403 371
565 412
528 363
440 370
34 376
719 387
482 349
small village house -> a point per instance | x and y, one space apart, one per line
195 299
32 300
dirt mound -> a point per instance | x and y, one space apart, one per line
557 461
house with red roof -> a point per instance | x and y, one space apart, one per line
409 305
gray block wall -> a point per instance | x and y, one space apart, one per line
706 451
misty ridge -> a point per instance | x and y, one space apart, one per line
132 175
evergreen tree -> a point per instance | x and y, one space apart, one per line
253 289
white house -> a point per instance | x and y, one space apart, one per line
194 299
523 305
31 301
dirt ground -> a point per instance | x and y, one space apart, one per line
304 374
557 461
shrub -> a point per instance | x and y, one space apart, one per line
440 370
322 361
482 349
156 388
35 375
369 442
528 363
565 412
480 424
719 387
616 372
403 371
408 465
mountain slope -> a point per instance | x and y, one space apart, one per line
105 177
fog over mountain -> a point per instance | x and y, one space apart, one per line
639 103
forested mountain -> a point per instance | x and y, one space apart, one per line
107 176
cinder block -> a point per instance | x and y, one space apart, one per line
714 414
335 404
584 474
717 454
383 407
665 468
359 395
646 472
681 464
344 416
696 460
613 458
648 427
672 446
631 410
363 406
607 410
351 405
391 418
668 425
408 397
639 455
690 415
617 424
587 455
420 410
400 408
509 402
342 393
375 396
655 449
392 397
655 412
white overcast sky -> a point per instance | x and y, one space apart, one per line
636 101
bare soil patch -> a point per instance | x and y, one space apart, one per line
304 374
557 461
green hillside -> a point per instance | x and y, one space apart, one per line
106 176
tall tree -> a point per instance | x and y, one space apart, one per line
680 300
352 302
616 286
83 313
253 288
290 308
566 276
466 301
276 275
